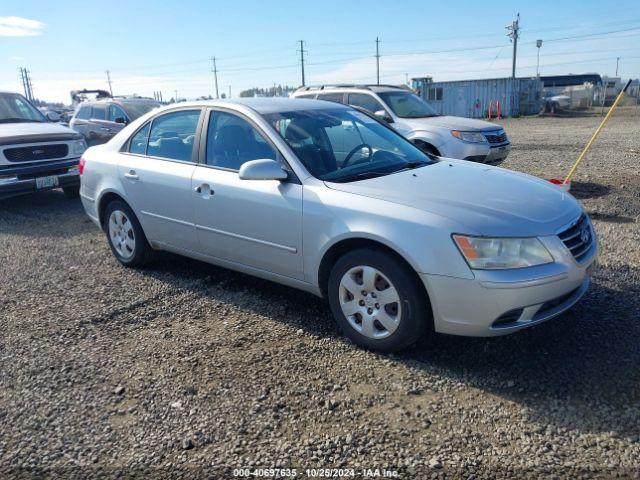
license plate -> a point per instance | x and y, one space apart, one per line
47 182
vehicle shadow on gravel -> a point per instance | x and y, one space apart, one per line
55 214
578 371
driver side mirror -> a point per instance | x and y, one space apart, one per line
121 120
264 169
382 115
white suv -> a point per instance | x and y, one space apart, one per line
446 136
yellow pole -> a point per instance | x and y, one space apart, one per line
595 134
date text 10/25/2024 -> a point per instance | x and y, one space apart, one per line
315 473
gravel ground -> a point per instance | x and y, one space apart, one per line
188 370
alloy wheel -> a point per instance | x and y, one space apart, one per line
121 234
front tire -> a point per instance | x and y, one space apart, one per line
377 302
125 236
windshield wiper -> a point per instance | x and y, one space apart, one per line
359 176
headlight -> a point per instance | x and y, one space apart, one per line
78 147
473 137
499 253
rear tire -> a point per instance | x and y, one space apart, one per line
377 302
125 236
71 192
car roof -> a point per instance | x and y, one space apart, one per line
265 105
312 90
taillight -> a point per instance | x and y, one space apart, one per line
81 165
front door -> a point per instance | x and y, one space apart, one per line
256 223
156 173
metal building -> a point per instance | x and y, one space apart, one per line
474 98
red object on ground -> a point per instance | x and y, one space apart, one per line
560 184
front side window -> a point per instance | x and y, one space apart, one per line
116 112
342 145
365 101
15 108
138 143
232 141
172 135
408 105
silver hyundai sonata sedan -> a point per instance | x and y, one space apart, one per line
325 198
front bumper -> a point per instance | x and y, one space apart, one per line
22 179
476 152
499 302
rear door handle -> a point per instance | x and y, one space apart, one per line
131 175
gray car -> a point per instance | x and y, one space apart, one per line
444 135
324 198
99 120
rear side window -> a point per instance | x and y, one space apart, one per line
332 97
84 112
172 135
138 143
311 96
365 101
99 112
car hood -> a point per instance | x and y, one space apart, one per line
454 123
485 200
36 132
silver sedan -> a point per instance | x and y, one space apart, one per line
327 199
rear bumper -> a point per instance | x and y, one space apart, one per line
22 179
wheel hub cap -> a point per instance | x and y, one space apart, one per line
370 302
121 234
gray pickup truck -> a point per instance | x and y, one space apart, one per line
36 154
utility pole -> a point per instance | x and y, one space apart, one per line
377 61
617 63
513 34
176 95
229 91
538 44
302 60
109 82
24 82
406 78
29 85
215 75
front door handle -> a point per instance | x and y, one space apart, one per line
131 175
204 189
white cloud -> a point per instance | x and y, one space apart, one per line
20 27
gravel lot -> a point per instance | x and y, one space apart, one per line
188 370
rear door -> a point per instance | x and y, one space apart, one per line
156 172
257 223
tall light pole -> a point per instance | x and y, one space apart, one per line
538 44
617 63
215 75
302 60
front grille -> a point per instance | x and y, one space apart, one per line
578 238
498 136
36 152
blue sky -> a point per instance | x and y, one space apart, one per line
153 45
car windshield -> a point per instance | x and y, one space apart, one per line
137 109
15 108
407 105
343 144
